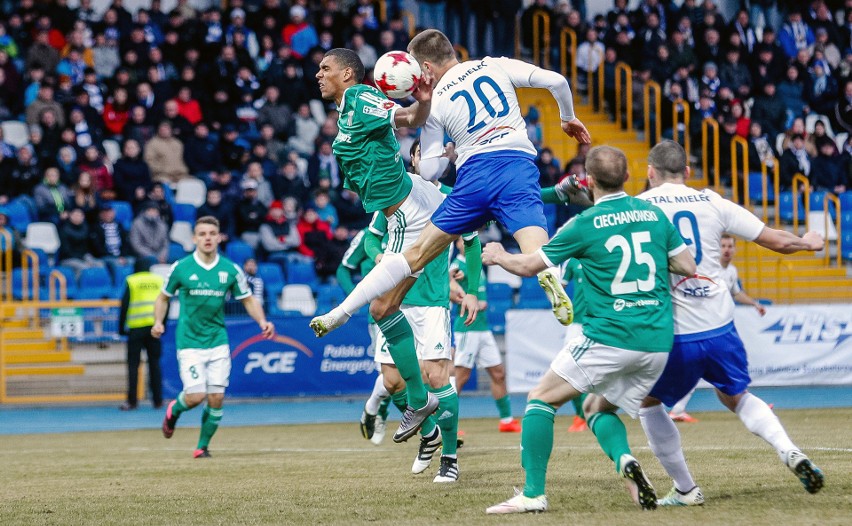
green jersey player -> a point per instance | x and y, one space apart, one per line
368 154
203 280
627 247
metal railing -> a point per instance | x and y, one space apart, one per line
735 180
710 125
599 87
801 180
6 265
626 121
410 21
646 108
461 52
683 106
541 22
831 198
568 47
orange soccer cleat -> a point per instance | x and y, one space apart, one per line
683 417
578 425
510 427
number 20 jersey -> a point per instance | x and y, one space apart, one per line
703 303
475 104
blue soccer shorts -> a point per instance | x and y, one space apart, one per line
717 356
500 186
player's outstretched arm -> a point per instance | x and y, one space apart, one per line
415 116
526 265
745 299
683 263
785 242
255 310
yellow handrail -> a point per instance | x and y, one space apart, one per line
834 199
735 183
568 43
646 107
383 11
683 105
6 264
541 18
462 52
788 268
411 21
706 125
800 179
622 68
29 259
600 86
764 171
57 286
518 36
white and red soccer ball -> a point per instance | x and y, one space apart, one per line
397 74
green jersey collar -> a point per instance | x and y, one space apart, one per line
611 197
201 263
343 98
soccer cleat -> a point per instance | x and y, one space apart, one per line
519 504
459 439
683 417
563 309
428 446
127 406
810 475
367 424
449 470
325 323
379 430
578 425
412 419
201 453
510 427
693 497
637 483
169 421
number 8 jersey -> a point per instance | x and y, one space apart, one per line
702 304
475 104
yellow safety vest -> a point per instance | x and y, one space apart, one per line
144 288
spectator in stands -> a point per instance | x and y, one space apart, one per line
795 159
815 140
250 214
66 163
651 37
137 127
254 280
187 106
254 172
44 102
299 34
149 235
109 240
75 249
710 49
7 229
795 35
324 209
735 74
233 149
25 174
225 182
314 233
221 209
273 111
741 25
131 175
52 198
278 233
85 196
726 136
117 112
306 130
590 56
743 122
164 156
769 111
760 149
93 163
842 114
828 172
329 255
201 153
791 93
350 211
798 128
548 168
181 126
821 90
157 196
682 53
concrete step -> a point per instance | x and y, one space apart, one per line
37 357
12 346
43 370
21 333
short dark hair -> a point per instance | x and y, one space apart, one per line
608 167
668 159
414 146
726 235
348 59
433 46
207 220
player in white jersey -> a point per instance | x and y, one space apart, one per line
732 283
476 105
706 344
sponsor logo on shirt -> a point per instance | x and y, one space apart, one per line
223 277
619 304
369 110
194 277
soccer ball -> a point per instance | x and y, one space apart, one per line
397 74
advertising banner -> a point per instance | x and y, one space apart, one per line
533 339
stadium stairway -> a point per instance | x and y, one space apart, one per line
800 278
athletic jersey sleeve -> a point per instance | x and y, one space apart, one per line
674 243
355 253
240 288
379 224
570 241
737 220
374 112
432 165
172 282
525 75
734 287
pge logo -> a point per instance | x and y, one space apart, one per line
272 362
618 305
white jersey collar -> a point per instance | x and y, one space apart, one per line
202 264
611 197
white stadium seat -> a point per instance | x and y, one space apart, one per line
298 298
191 191
181 233
499 275
43 236
16 133
112 149
161 269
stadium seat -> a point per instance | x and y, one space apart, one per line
95 283
123 213
176 251
846 246
44 260
497 274
818 203
191 191
301 272
779 143
18 284
19 215
531 296
298 298
272 276
181 233
184 212
120 273
755 188
785 207
70 280
846 201
840 139
810 123
238 251
16 133
43 236
499 292
112 150
846 221
497 315
328 297
161 269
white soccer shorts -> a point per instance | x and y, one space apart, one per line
622 376
412 216
477 348
431 328
205 370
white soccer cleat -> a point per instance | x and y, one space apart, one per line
563 309
379 430
326 323
693 497
449 471
519 504
810 475
638 485
428 446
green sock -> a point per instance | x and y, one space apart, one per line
383 408
180 405
210 419
578 405
400 399
611 435
400 340
429 425
536 445
504 406
448 417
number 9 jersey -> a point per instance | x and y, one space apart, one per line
703 303
475 104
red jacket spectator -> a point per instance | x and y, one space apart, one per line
117 112
188 107
313 232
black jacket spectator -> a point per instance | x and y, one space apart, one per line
131 175
250 215
769 111
201 153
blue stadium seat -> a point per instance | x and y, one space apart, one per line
238 251
846 201
499 292
95 283
176 252
19 215
300 272
328 297
755 188
846 221
43 260
18 284
551 214
272 275
70 280
184 212
531 296
120 274
785 207
846 246
497 315
818 204
123 213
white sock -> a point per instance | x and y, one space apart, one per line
391 270
680 406
664 439
379 393
761 421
